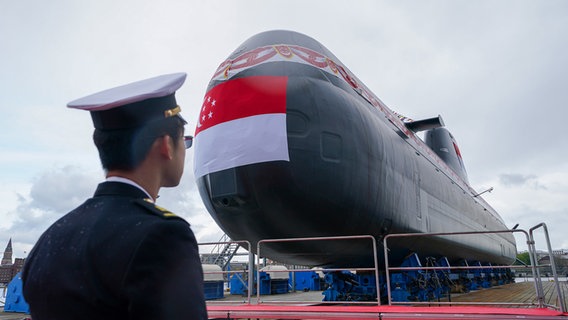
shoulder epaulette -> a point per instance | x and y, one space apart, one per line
155 209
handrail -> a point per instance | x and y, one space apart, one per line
373 240
217 245
530 242
552 262
540 295
251 263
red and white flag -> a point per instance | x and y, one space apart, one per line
242 121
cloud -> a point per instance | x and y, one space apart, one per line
516 179
533 198
61 189
57 191
492 82
52 194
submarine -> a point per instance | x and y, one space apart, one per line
291 144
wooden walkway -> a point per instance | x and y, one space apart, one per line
523 294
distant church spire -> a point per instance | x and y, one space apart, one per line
7 258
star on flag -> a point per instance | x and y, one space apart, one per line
208 105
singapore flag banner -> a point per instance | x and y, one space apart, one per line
242 121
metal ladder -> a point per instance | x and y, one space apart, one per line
224 251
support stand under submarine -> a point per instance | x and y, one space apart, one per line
433 282
412 281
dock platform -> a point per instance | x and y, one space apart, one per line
511 301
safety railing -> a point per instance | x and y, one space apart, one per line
255 264
375 269
532 254
250 271
534 262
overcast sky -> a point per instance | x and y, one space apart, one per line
495 70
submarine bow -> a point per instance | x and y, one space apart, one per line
290 144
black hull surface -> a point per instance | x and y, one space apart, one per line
354 168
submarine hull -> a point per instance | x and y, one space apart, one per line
333 160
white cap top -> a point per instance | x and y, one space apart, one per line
155 87
134 104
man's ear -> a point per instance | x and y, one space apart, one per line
166 146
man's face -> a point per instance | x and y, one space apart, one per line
174 171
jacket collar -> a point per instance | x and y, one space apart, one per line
113 188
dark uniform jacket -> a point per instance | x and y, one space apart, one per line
116 256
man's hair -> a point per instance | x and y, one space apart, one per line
125 149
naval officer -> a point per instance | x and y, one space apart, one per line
118 255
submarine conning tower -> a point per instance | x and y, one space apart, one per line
443 143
